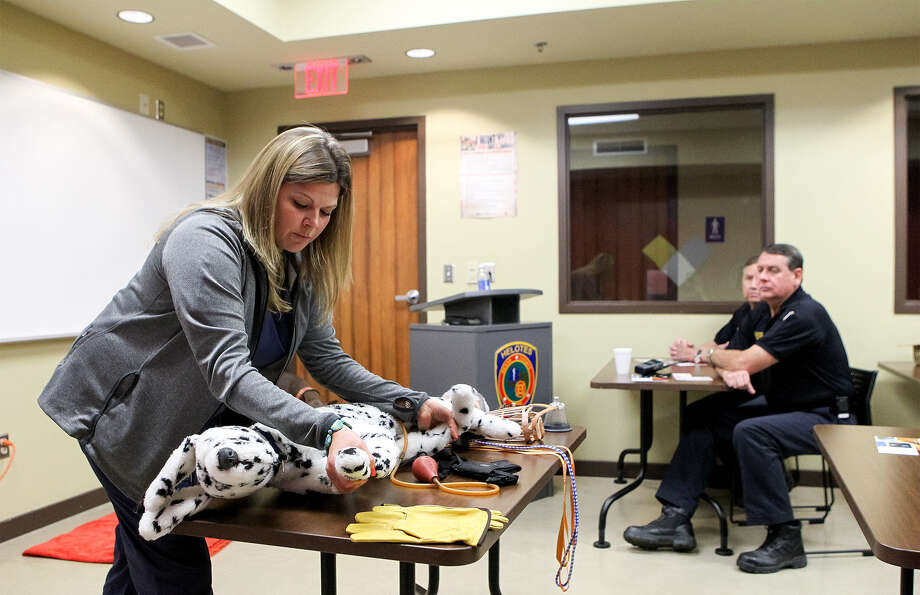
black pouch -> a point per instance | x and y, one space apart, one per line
501 473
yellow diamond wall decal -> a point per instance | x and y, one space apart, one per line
659 250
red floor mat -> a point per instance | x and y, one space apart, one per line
94 542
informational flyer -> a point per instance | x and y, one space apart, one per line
488 175
215 157
897 445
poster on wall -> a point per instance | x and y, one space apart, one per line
215 155
488 176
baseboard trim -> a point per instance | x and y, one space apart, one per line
810 478
36 519
609 469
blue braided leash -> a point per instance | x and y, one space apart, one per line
569 556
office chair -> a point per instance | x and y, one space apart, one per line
860 408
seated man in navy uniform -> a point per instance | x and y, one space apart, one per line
803 366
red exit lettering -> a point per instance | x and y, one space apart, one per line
320 78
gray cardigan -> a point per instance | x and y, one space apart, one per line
173 347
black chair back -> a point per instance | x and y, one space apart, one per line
863 384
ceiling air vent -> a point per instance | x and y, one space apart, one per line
620 146
185 41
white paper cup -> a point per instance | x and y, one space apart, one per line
623 358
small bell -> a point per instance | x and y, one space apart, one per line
555 420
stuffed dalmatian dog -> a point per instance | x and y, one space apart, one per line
235 461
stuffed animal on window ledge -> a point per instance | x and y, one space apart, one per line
235 461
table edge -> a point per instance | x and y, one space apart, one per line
886 553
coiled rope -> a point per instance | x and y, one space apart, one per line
567 538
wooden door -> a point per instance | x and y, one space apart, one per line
372 326
615 212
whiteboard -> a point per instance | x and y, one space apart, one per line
84 187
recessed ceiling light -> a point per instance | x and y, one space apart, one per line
135 16
420 53
581 120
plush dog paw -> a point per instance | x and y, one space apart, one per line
353 463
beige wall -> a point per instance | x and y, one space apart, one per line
834 198
49 466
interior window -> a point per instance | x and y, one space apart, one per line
662 202
907 199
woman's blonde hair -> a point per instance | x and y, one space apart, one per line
302 154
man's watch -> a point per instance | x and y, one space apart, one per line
709 356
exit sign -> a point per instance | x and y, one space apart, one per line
320 78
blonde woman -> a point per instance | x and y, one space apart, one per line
232 290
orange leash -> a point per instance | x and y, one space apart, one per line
453 487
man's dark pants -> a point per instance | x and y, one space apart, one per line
173 564
737 427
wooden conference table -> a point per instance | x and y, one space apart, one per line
607 377
905 370
883 490
317 521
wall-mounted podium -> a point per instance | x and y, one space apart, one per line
483 342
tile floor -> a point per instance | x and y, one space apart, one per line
527 558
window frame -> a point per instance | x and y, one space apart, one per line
902 305
563 112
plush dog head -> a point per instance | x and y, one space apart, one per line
233 461
224 462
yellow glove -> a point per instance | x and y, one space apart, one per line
424 524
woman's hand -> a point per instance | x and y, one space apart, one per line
345 438
437 412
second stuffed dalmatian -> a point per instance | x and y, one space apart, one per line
235 461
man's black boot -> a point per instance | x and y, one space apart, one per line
782 549
672 529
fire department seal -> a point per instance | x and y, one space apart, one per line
515 373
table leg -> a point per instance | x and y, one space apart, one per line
434 579
907 581
621 462
645 440
407 584
406 578
494 588
682 413
327 573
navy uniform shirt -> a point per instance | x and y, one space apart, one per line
739 333
812 367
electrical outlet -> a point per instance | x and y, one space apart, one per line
144 104
472 272
4 449
448 273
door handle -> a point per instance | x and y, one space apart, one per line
411 297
